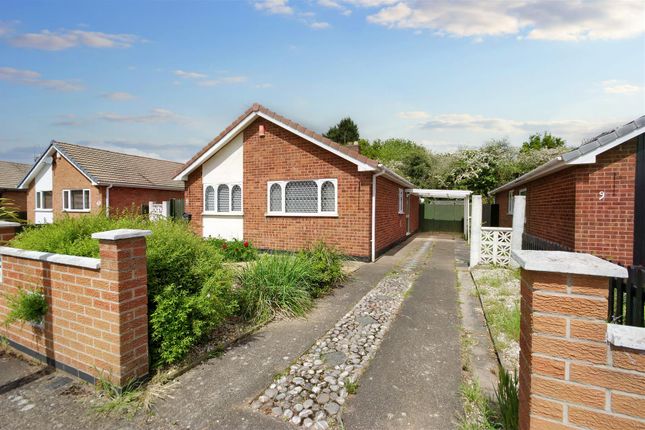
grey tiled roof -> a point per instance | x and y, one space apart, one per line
604 138
12 173
109 167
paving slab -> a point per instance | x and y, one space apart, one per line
413 381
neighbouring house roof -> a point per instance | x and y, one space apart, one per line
362 162
103 167
584 154
11 174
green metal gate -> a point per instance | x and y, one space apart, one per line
442 215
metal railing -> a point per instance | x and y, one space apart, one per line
626 303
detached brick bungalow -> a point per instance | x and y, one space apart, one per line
274 182
74 180
589 200
10 176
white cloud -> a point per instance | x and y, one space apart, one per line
69 120
190 75
118 96
413 115
228 80
264 85
333 4
203 80
614 86
319 25
157 115
532 19
29 77
65 39
276 7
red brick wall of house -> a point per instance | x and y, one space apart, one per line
282 155
565 207
19 199
414 214
128 199
96 320
606 227
194 200
390 225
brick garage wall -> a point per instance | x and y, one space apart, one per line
130 199
97 319
414 214
505 220
570 378
390 225
282 155
606 227
19 198
194 200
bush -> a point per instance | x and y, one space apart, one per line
325 268
234 250
274 285
26 306
186 277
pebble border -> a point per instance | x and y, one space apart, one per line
311 395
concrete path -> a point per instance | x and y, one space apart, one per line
217 393
413 381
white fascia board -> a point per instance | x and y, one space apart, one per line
77 167
36 168
590 157
183 175
362 167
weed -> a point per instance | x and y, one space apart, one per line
351 386
26 306
507 399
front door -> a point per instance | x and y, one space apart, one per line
639 203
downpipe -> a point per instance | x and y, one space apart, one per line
374 176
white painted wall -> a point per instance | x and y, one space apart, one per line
43 182
225 167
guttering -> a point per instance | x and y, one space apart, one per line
374 176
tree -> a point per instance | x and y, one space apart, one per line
8 210
346 131
544 141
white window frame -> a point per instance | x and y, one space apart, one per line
319 213
38 204
230 198
522 192
509 203
86 200
401 205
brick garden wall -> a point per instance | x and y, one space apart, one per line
570 377
97 318
282 155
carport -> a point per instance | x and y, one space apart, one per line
444 206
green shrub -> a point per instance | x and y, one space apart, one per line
508 400
325 268
234 250
274 285
26 306
186 276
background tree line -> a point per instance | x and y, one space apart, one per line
479 170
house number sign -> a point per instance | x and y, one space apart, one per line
601 196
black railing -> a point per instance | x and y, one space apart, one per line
626 298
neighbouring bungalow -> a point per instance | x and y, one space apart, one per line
74 180
589 200
271 181
10 176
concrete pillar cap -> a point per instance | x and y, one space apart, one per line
120 234
574 263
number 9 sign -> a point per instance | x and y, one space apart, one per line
601 195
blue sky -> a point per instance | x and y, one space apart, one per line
162 78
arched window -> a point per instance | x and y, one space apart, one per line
275 198
236 198
209 199
301 197
222 198
327 197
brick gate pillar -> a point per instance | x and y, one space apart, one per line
567 376
124 271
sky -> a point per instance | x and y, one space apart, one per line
162 78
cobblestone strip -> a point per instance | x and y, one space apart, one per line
311 395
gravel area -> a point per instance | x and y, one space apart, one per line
499 289
313 390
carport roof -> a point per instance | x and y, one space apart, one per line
441 194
